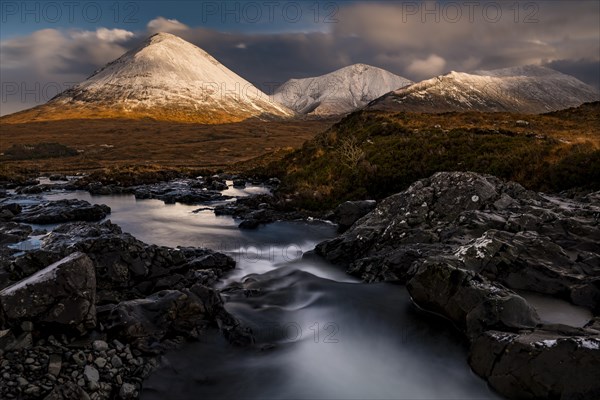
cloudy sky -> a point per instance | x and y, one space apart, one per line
46 47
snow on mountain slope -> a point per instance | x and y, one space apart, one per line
338 92
166 78
528 89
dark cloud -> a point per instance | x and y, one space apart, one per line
560 34
585 70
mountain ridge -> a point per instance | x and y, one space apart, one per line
525 89
338 92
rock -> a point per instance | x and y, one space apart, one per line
127 268
127 391
67 391
57 177
27 326
183 191
63 293
239 183
249 224
100 345
470 301
54 364
91 374
552 362
12 232
14 208
51 212
506 229
116 362
346 214
461 242
100 362
80 358
143 321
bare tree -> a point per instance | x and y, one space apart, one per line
350 152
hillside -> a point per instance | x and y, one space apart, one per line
372 154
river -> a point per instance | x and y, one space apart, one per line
320 333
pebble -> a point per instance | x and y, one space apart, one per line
91 374
127 391
116 362
100 362
100 345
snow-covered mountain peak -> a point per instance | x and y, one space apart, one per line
525 89
338 92
164 78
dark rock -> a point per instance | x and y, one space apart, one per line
123 263
469 300
50 212
168 312
57 177
63 293
346 214
67 391
12 232
249 224
239 183
547 363
14 208
181 191
508 234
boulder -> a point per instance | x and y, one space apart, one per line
346 214
469 300
551 363
187 312
12 232
59 211
62 294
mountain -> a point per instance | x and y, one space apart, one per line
166 78
338 92
529 89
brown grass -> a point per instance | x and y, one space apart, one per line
119 143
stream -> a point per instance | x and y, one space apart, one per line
320 333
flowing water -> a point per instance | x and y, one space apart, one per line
320 333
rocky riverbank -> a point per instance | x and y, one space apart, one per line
463 243
88 312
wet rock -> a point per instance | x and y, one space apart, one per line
346 214
57 177
14 208
469 300
50 212
523 239
462 242
239 183
12 232
553 362
127 268
63 293
182 191
249 224
146 321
